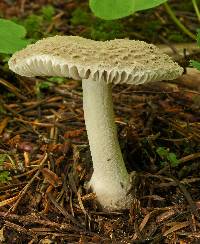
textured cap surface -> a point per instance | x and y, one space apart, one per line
115 61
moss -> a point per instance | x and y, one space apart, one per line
48 12
81 17
176 37
107 30
96 28
37 23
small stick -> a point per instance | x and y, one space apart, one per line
64 212
20 229
196 8
177 22
12 89
24 190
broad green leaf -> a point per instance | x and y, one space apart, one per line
146 4
115 9
11 37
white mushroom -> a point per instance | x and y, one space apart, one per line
99 64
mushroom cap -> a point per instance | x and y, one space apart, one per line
115 61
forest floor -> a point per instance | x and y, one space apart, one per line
44 153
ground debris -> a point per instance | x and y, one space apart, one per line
47 155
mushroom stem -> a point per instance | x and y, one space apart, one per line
110 180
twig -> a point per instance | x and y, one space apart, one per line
20 229
177 22
189 157
12 89
22 6
64 212
187 195
33 219
24 190
196 8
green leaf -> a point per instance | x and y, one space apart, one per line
2 158
195 64
4 176
168 156
162 152
146 4
173 160
11 37
115 9
198 37
45 85
57 80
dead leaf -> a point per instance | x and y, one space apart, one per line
3 124
8 201
73 133
164 216
51 177
142 225
88 197
46 241
2 238
153 197
176 227
80 201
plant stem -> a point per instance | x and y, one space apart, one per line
177 22
196 8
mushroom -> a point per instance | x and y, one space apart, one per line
99 65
